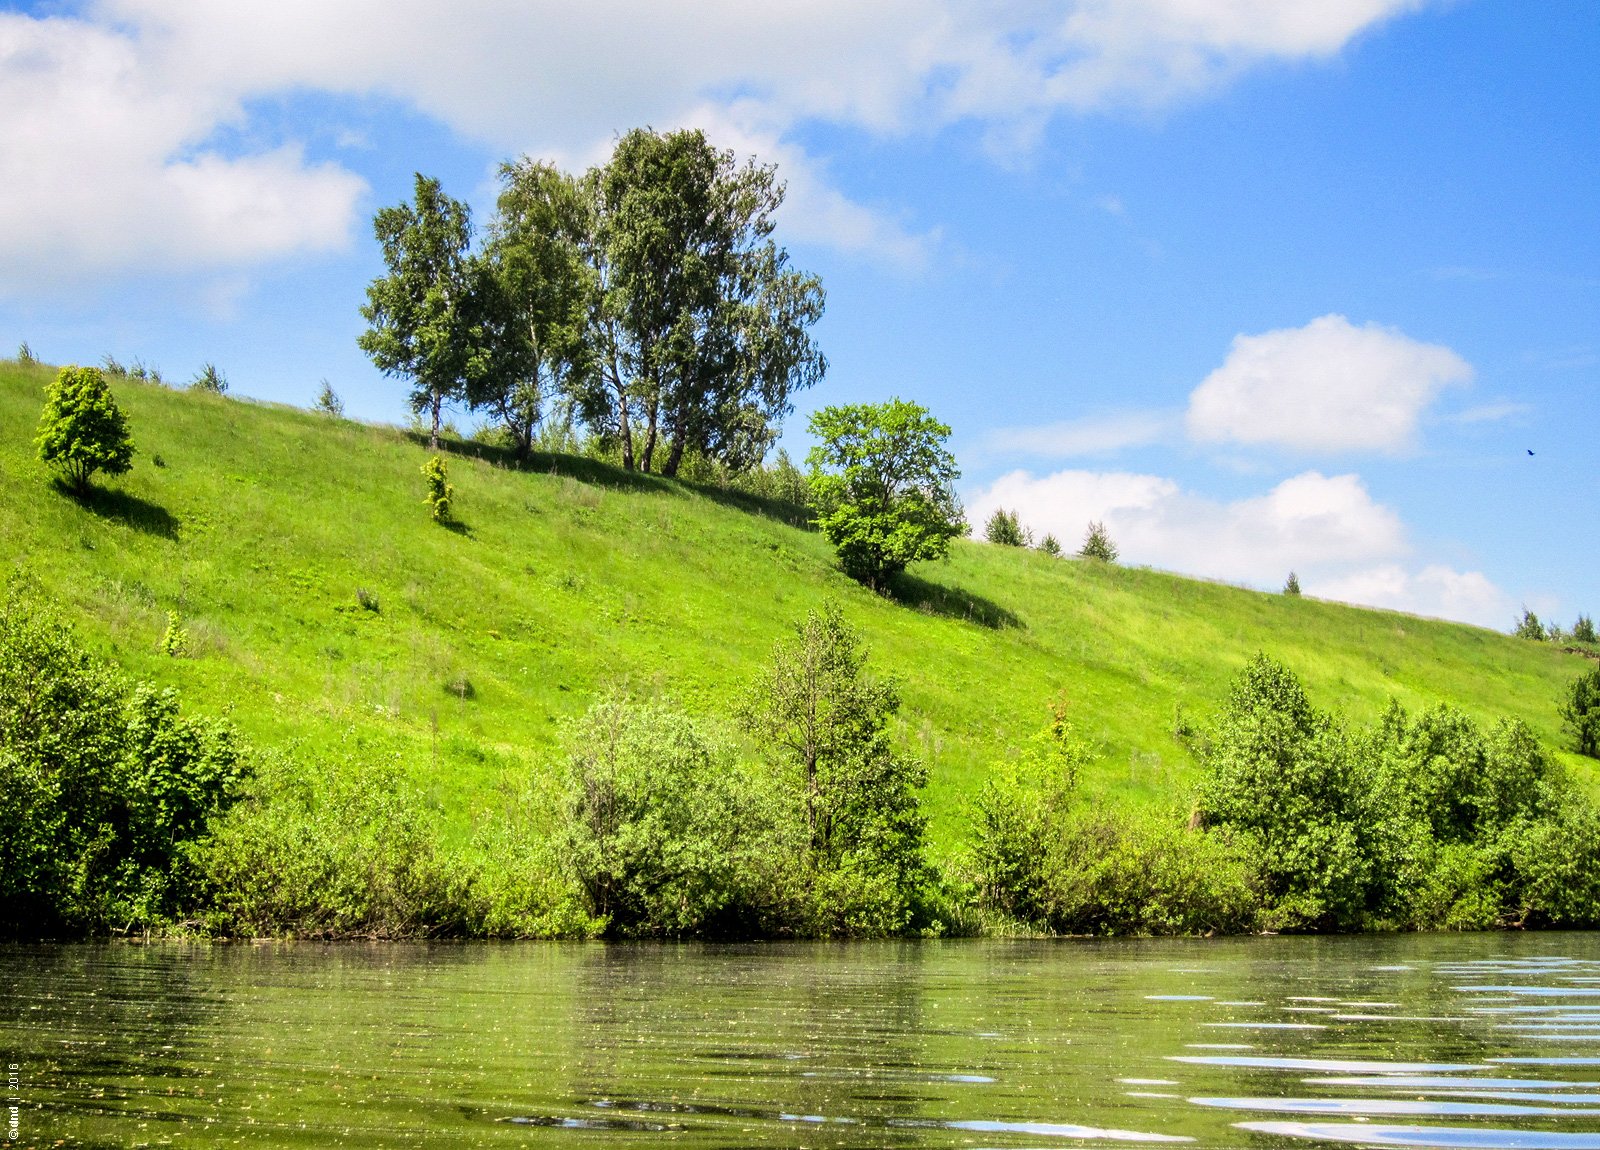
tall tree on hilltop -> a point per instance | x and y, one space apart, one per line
699 324
535 296
421 315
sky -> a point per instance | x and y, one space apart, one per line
1263 285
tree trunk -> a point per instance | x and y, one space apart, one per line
650 437
433 435
624 432
674 457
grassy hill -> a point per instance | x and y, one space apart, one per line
263 527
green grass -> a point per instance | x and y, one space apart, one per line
260 524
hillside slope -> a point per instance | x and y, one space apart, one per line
259 525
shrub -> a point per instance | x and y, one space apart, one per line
1051 546
1580 712
1325 830
665 832
175 641
440 493
208 378
1292 585
336 848
1529 627
25 356
81 430
328 402
1583 630
1097 544
824 724
1005 529
104 786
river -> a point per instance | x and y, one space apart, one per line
1418 1040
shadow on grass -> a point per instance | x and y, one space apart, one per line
599 473
129 510
937 599
457 527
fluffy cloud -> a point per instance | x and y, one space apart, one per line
98 171
1328 386
1342 543
108 116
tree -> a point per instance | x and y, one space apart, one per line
208 378
881 483
81 430
1005 528
1292 585
420 316
699 324
328 402
1580 712
535 296
827 724
1097 544
441 493
1529 627
1583 630
1050 546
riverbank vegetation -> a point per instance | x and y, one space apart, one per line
391 729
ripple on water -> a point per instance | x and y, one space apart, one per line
1441 1137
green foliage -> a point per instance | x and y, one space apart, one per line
175 640
81 430
703 327
1046 859
824 723
440 492
341 847
208 378
1006 529
1291 586
1529 627
104 786
1051 546
666 833
420 317
1281 776
1097 544
882 487
25 356
328 402
1425 822
1580 712
1583 630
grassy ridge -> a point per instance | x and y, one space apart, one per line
260 524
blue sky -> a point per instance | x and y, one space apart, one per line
1263 285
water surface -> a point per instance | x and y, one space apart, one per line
1425 1041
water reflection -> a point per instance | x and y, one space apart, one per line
1417 1041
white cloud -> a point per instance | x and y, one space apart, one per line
1435 590
1328 529
98 170
1328 386
107 117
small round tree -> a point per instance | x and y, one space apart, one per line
1005 528
81 430
1097 544
882 487
1050 546
1530 627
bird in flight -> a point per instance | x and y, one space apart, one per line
1530 451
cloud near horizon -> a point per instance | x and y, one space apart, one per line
1328 529
1326 387
109 159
